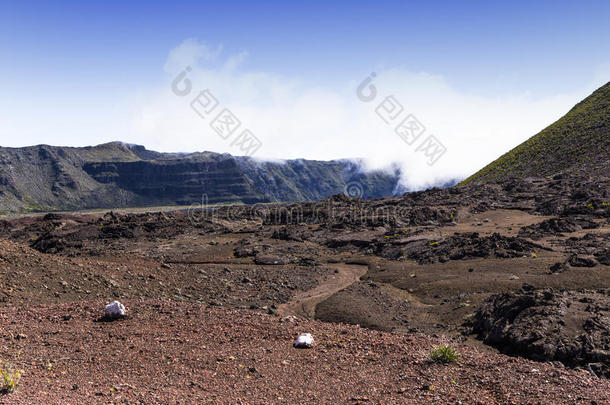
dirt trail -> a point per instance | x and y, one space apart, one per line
304 304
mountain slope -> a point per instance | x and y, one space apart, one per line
46 178
310 180
578 140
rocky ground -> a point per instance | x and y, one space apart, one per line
170 352
520 268
570 327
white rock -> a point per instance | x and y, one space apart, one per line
305 340
114 310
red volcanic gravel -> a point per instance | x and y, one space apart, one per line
177 353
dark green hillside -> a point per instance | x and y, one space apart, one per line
578 140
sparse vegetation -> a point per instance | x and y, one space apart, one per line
443 354
9 378
580 138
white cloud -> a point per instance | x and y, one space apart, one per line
298 119
191 52
295 119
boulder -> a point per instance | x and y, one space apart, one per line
304 341
115 310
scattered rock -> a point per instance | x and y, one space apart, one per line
577 261
559 267
304 341
603 256
469 246
289 318
270 260
114 310
555 226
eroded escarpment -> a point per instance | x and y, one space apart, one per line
113 175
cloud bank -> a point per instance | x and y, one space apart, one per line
296 118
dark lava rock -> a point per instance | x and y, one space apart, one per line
590 244
577 261
307 261
270 260
548 325
556 226
397 245
292 232
69 235
559 267
469 246
603 256
245 251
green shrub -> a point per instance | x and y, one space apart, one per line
9 378
443 354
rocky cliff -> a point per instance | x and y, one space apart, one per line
44 178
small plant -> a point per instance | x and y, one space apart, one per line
9 378
443 354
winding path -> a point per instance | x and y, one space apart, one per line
304 304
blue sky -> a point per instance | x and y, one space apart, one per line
76 72
479 46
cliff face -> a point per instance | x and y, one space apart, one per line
117 175
181 181
310 180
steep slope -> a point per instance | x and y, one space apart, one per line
310 180
45 178
180 181
579 140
